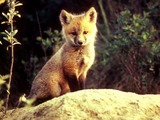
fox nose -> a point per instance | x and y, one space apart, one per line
80 42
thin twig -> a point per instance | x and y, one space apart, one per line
104 18
12 55
39 25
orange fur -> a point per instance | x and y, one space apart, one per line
66 70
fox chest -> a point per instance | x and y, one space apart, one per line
77 61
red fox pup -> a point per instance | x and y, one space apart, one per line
66 70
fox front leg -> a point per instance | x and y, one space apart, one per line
82 81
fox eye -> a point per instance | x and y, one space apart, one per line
73 33
85 32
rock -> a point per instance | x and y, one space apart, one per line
103 104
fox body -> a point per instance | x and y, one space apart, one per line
66 70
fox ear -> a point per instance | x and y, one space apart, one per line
65 17
92 15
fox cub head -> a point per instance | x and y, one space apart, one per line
79 30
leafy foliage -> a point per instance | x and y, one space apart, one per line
53 40
50 44
133 51
10 37
135 40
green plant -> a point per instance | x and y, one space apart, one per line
135 42
134 51
129 60
49 44
10 37
53 40
25 102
